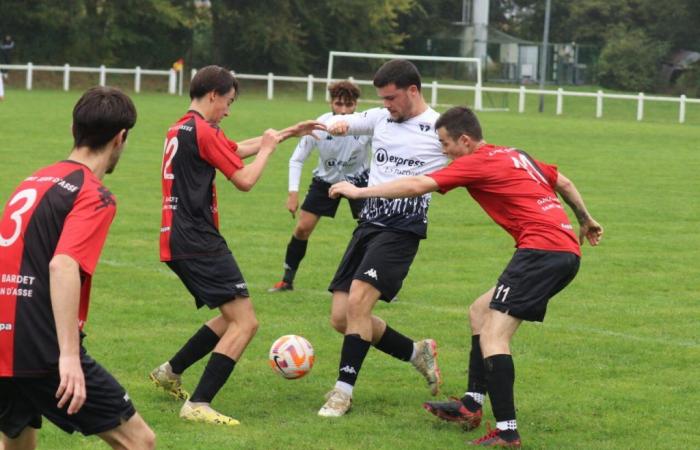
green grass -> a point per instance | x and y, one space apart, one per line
614 366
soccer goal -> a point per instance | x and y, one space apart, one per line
446 73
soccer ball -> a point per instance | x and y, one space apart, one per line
291 356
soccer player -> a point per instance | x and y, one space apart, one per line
190 242
51 235
383 245
520 194
339 158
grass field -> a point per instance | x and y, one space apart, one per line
614 366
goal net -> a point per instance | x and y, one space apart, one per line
446 80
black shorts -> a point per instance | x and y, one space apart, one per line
319 203
24 400
212 280
378 256
531 278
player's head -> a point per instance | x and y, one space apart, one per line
214 88
459 131
102 119
398 84
344 95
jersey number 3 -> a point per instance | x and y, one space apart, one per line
29 197
168 154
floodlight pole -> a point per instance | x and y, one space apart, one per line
545 45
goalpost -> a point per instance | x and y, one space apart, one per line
477 90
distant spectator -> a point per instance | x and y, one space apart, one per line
6 47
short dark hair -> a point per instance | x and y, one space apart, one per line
99 115
212 78
344 90
399 72
458 121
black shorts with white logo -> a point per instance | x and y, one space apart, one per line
531 278
212 280
378 256
319 203
23 401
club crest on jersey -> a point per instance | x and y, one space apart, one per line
381 156
106 198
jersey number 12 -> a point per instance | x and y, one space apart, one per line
168 154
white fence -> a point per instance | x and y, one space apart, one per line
175 84
67 69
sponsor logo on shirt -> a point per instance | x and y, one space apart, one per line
5 327
424 126
382 157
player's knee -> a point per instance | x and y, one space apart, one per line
303 232
476 317
251 327
149 439
358 308
338 323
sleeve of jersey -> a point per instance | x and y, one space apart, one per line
551 173
85 231
461 172
296 162
359 124
220 152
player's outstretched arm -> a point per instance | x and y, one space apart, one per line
588 228
245 178
403 187
252 146
65 300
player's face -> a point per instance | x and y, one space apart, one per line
343 105
221 104
450 147
399 102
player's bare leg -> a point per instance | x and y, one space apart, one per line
26 440
242 325
498 329
339 312
296 250
134 434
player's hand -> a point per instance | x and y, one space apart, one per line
592 231
293 203
339 128
72 386
270 139
345 189
307 127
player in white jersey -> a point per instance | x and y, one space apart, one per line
404 143
340 158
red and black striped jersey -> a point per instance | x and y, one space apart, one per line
194 149
61 209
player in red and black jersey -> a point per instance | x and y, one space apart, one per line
190 242
520 194
51 235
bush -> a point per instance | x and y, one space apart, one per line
630 61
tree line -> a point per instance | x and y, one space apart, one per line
294 36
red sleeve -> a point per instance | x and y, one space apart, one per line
550 172
85 229
217 150
461 172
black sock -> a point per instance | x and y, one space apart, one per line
351 357
395 344
215 374
476 381
296 249
199 345
500 377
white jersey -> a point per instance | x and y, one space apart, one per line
340 158
399 149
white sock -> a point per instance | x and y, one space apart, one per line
507 425
344 387
415 349
478 397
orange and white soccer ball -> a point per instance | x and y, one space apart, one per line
291 356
